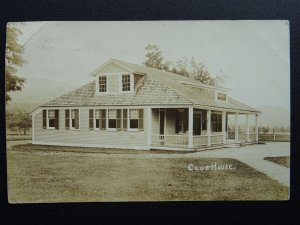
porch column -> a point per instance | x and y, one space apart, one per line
224 127
256 127
149 126
236 133
208 127
191 125
247 128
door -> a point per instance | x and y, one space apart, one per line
162 121
197 123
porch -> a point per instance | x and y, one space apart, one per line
170 128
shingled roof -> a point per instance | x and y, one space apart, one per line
157 87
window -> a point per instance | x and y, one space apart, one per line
125 82
136 119
222 97
102 84
50 119
216 122
114 119
97 119
72 119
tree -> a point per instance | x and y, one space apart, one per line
154 57
185 67
20 120
13 59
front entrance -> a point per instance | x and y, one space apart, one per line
162 123
197 123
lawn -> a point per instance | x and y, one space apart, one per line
39 174
281 160
18 137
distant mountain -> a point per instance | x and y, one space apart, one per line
37 92
274 116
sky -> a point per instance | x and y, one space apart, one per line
252 55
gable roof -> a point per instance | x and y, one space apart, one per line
157 87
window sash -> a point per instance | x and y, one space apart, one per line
102 84
126 82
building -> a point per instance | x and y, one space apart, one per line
136 107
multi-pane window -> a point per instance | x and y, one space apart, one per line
136 119
216 122
51 119
97 119
125 82
114 119
102 84
72 119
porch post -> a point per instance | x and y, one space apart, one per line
191 126
247 128
223 127
256 127
208 127
149 126
236 127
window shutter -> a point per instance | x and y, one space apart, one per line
176 122
44 118
91 119
67 119
125 119
102 119
56 121
141 119
76 118
119 119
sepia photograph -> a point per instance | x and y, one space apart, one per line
131 111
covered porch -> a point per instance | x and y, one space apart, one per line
170 127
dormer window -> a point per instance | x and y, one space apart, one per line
126 82
102 84
220 96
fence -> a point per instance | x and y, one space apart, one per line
276 136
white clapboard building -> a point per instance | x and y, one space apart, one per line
135 107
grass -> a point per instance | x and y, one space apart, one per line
18 137
280 160
44 175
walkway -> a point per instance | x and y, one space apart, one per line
253 155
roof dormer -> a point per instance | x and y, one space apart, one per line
114 78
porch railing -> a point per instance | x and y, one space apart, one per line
159 139
199 140
216 138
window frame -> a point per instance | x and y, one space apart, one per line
139 119
47 119
70 119
131 82
98 84
220 92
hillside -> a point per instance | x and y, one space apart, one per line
37 92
